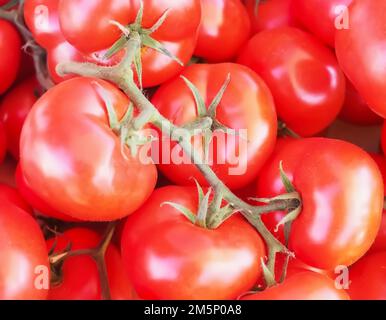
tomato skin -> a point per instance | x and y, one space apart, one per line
246 104
14 109
35 202
383 138
10 48
22 250
303 75
304 285
3 142
356 111
80 274
329 174
361 53
225 24
320 22
41 17
85 160
367 277
271 14
11 195
167 257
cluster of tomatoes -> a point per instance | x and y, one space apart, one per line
66 174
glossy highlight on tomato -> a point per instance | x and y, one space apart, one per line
83 172
306 82
168 257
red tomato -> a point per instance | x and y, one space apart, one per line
80 277
35 202
305 285
355 109
322 17
23 255
74 162
11 195
383 138
3 142
303 75
14 109
270 14
340 217
367 278
41 17
361 52
167 257
225 28
10 48
380 241
247 104
7 172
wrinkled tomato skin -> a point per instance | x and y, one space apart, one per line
271 14
23 255
361 52
10 48
41 17
356 111
14 109
9 194
246 104
304 285
306 82
336 209
367 277
225 24
167 257
72 159
323 21
35 202
80 274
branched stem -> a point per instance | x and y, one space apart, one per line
122 75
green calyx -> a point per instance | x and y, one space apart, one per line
210 214
146 40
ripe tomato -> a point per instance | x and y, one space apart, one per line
367 278
167 257
247 104
340 219
361 52
380 242
74 162
35 202
271 14
304 285
3 142
41 17
10 48
323 22
303 75
23 255
14 109
383 138
80 277
9 194
225 24
355 109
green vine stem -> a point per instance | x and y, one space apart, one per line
38 53
123 76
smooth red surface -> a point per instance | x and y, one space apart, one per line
9 194
246 104
72 159
22 251
303 75
225 28
305 285
362 54
167 257
3 142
